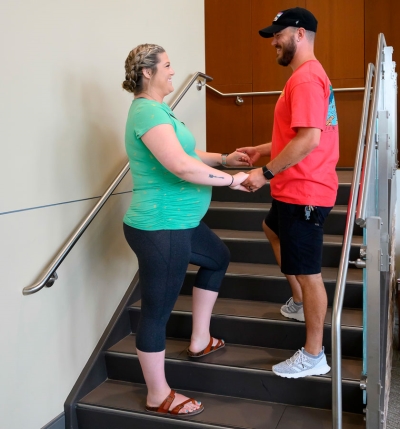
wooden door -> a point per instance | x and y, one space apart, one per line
332 48
237 57
229 62
383 17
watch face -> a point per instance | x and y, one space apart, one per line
267 173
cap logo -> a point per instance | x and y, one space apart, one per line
297 21
278 16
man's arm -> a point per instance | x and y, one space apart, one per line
305 141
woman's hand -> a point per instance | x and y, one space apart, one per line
236 159
238 179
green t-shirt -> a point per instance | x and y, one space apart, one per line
160 200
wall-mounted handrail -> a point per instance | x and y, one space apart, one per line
251 94
370 144
50 275
342 272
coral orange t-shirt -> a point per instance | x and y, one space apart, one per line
307 101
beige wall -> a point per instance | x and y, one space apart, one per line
63 114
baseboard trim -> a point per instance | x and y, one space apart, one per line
57 423
95 371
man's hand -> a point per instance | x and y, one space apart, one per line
236 159
253 153
256 180
238 179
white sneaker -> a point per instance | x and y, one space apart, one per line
300 365
293 310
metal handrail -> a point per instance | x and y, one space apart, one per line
343 266
50 274
251 94
366 177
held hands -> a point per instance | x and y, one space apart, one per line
236 158
238 179
250 152
255 181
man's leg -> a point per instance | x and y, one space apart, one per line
315 304
301 243
297 293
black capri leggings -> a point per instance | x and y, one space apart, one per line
163 258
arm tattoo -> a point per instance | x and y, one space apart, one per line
284 168
211 176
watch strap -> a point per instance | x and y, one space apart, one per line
268 174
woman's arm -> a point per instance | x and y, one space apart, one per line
161 140
234 159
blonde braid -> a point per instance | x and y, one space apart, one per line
143 56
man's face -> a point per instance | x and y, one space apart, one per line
285 45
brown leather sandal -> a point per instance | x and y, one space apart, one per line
164 407
209 349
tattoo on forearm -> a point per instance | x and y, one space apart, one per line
284 168
211 176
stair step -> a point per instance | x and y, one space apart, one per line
258 324
235 355
265 282
117 404
249 217
262 310
238 371
253 247
220 193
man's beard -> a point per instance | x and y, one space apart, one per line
288 52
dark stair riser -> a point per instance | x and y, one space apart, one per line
260 252
220 193
252 288
258 332
240 382
251 220
98 418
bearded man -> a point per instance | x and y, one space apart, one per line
302 172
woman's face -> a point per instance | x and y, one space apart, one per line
161 82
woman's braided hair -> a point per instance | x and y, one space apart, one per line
142 57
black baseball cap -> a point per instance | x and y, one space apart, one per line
294 17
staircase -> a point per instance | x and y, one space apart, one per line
236 385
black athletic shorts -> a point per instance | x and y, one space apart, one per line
300 231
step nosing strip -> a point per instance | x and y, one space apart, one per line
274 276
265 240
180 421
247 209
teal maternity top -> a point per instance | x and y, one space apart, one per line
160 200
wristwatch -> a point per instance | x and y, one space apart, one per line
268 174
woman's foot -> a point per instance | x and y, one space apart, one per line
212 346
197 345
157 401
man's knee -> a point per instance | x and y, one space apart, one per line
268 232
307 280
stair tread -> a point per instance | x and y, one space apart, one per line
220 411
273 270
238 356
259 206
228 234
260 310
